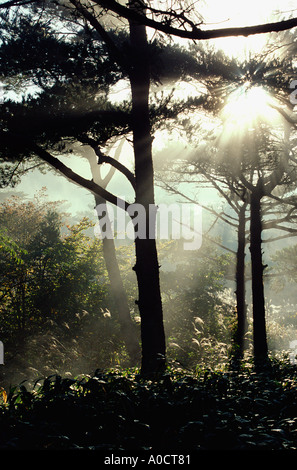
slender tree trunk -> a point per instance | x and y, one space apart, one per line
240 282
147 266
128 328
259 323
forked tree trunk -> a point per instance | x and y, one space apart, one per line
147 266
128 328
259 323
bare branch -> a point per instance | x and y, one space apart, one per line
281 237
165 26
65 170
194 33
90 16
110 160
14 3
76 178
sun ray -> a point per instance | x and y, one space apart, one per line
248 105
247 108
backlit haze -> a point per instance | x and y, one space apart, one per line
254 101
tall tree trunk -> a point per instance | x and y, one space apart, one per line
240 282
128 328
259 323
147 266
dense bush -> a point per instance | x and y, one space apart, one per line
56 311
239 409
48 270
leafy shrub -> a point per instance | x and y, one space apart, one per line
233 409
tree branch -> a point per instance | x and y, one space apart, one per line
165 26
224 217
118 57
65 170
110 160
279 227
194 33
281 237
14 3
117 165
76 178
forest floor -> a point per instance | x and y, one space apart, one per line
238 409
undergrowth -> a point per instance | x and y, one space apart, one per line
239 408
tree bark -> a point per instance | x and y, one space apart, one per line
259 323
147 266
240 282
128 328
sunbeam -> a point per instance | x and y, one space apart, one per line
247 107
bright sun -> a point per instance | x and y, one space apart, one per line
248 104
247 107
